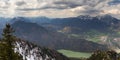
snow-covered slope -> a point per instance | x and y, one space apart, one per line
30 51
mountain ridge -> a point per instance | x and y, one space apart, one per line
30 51
39 35
74 25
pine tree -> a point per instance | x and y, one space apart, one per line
7 45
104 55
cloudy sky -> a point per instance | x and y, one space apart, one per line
59 8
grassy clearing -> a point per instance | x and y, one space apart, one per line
74 54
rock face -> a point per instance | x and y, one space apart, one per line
30 51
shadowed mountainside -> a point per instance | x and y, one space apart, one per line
41 36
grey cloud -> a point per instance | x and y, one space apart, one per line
92 12
63 4
76 3
114 2
70 4
20 3
47 6
88 12
74 7
28 9
43 8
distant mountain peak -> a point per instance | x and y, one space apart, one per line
85 17
105 17
99 17
19 19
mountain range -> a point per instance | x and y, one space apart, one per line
43 37
99 32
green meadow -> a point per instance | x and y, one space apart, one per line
73 54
